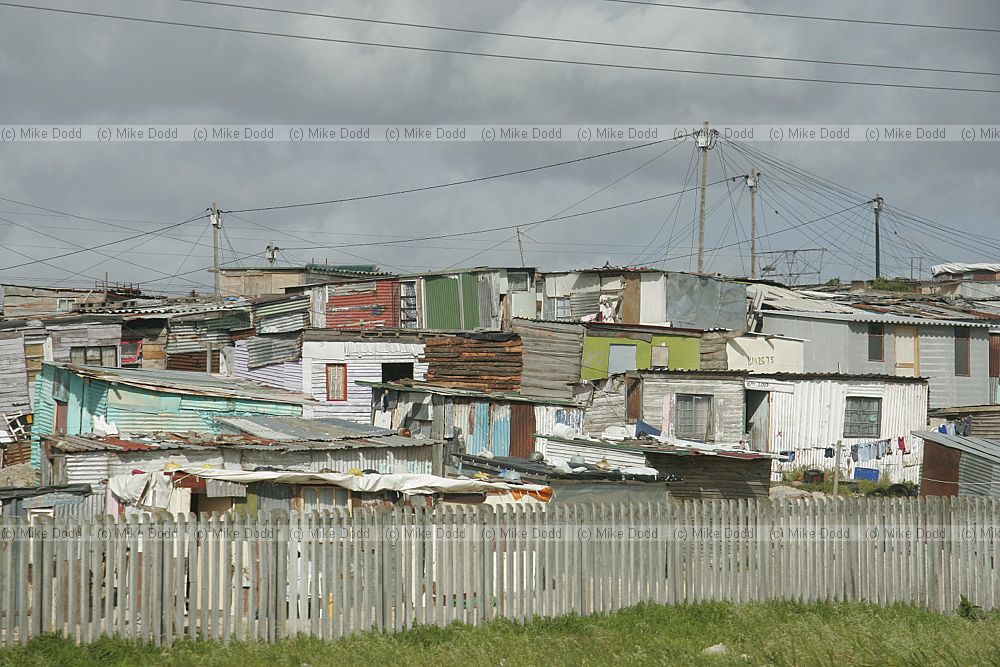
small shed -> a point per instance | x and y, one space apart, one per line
959 465
984 420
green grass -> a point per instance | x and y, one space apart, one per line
779 634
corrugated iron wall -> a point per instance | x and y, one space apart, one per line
522 429
365 305
283 375
978 476
811 419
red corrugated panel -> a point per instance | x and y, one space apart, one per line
522 429
192 361
364 309
995 355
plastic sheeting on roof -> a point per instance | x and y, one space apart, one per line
407 484
939 269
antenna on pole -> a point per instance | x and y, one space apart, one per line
272 253
215 215
753 179
877 207
705 140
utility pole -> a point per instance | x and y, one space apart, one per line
752 180
836 470
215 215
272 253
705 143
520 246
877 207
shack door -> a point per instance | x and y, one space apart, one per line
907 349
758 419
522 426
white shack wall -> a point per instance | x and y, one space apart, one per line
287 375
653 298
810 419
659 403
364 361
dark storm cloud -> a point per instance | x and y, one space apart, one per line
71 69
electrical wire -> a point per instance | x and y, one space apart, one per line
807 17
565 40
499 56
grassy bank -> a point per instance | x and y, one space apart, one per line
758 634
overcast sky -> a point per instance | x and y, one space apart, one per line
74 69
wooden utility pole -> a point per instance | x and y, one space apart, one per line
520 246
877 206
752 180
836 470
215 215
703 139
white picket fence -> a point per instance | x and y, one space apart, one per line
332 574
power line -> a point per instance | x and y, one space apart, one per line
499 56
449 184
566 40
807 17
504 227
109 243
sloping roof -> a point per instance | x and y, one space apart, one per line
986 449
424 388
187 382
544 471
647 446
297 428
859 315
202 442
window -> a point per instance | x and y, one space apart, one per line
694 417
563 309
517 281
94 355
65 305
336 382
963 365
131 353
863 417
397 371
876 342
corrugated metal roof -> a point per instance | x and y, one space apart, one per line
655 447
297 428
858 315
987 449
200 441
186 382
423 388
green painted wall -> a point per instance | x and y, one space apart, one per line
444 302
685 353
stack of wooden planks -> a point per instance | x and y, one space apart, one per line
481 363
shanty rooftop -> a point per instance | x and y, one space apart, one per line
188 382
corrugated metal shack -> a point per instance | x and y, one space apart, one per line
560 354
641 296
194 339
27 502
69 397
705 473
366 304
470 421
957 465
332 362
489 361
293 445
903 335
32 301
263 280
984 420
13 375
585 483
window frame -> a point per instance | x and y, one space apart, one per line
516 289
880 335
343 383
696 434
963 334
855 429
